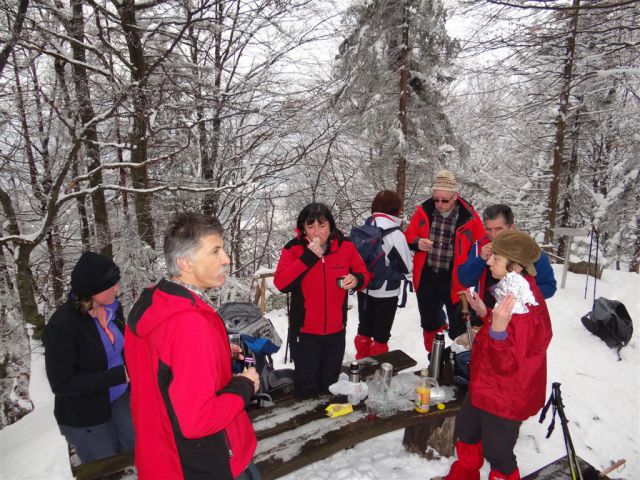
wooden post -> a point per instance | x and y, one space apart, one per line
263 295
569 233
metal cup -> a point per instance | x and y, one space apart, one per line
386 372
234 339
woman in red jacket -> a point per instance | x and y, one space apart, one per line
508 363
318 267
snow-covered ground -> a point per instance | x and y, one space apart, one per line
601 397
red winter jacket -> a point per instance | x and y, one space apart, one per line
188 410
318 306
469 228
509 377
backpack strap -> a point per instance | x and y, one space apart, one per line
388 231
407 284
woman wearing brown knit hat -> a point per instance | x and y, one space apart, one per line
508 363
83 343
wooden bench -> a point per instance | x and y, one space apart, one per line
292 434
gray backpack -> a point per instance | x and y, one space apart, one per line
260 340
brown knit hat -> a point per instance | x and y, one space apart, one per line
445 181
518 247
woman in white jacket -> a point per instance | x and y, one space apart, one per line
377 308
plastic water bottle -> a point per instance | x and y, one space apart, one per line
423 392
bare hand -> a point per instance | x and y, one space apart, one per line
349 281
502 313
476 303
252 374
236 352
425 245
486 251
315 246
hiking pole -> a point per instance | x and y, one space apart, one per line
595 273
555 401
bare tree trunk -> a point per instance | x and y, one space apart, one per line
85 233
573 170
139 176
24 281
6 285
401 168
208 162
561 123
54 248
206 166
634 266
83 97
9 43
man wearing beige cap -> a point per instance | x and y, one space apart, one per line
441 232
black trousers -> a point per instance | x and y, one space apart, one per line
434 292
317 359
498 435
250 473
376 316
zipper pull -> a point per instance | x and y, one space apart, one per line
322 258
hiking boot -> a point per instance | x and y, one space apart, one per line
363 346
378 348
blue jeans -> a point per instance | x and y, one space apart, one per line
106 439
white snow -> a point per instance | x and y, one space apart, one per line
600 393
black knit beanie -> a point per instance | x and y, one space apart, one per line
93 274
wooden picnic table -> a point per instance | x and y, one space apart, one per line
292 433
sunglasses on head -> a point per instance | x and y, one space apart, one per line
443 200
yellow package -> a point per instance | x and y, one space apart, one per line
338 409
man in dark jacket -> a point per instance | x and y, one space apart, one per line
441 231
188 408
475 271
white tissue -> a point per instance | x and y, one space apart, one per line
344 387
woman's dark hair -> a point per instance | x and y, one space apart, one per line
387 201
321 213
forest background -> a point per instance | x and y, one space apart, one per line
116 114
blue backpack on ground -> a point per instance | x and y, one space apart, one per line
368 239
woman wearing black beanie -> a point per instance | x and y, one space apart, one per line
85 366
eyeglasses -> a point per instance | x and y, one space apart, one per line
443 200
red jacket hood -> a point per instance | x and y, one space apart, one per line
168 299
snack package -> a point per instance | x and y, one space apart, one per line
338 409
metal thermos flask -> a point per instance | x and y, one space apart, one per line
436 356
354 372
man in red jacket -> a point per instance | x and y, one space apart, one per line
188 408
441 232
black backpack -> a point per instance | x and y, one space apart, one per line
610 321
368 240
